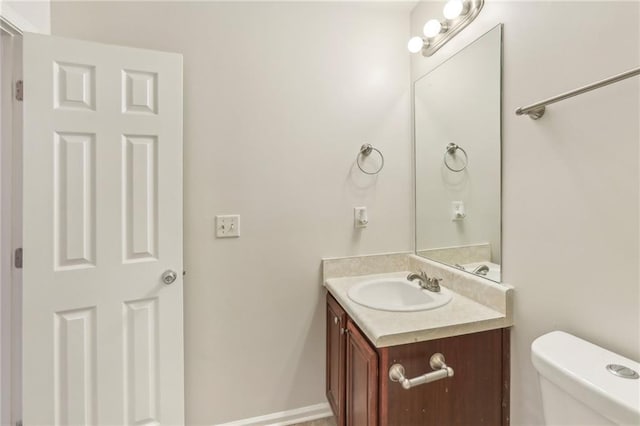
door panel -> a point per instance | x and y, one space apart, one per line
335 377
473 396
103 335
362 379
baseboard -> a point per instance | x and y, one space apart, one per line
283 418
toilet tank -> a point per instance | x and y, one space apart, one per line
578 389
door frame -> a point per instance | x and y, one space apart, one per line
10 223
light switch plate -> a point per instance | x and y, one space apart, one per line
228 226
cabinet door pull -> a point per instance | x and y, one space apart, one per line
437 363
335 320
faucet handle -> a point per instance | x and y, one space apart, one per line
433 284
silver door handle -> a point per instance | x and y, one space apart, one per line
169 276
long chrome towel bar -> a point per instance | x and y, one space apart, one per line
536 110
437 363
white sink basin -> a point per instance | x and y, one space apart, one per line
397 294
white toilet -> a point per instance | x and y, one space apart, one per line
577 386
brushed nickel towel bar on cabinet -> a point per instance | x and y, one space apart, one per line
535 111
437 363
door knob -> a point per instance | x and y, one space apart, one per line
169 276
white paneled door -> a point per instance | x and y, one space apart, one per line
102 330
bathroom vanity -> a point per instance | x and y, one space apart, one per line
360 392
363 344
404 354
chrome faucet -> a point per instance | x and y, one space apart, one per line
481 270
426 282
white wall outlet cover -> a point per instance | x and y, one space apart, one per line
360 217
228 226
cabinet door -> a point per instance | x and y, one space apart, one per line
336 327
476 395
362 379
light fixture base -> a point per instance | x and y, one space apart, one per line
454 27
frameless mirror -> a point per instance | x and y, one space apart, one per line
457 121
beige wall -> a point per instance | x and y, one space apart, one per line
570 180
278 99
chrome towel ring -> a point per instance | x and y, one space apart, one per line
451 150
365 150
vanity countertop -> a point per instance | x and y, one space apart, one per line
383 328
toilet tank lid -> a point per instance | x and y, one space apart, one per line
579 368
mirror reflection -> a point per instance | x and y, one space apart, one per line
457 109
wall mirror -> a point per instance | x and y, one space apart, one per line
457 132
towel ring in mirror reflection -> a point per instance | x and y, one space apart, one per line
365 150
451 150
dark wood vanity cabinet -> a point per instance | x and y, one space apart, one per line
361 394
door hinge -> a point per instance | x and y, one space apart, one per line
17 258
19 90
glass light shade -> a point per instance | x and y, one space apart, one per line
453 9
432 28
415 44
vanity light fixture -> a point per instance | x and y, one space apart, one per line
415 44
455 8
458 14
433 27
